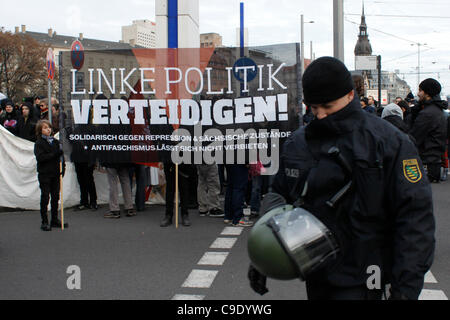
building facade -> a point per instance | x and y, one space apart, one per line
210 40
141 33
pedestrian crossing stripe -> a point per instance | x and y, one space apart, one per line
411 170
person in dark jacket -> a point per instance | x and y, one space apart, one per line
393 114
48 156
37 106
9 118
365 106
386 219
184 179
84 170
430 127
27 123
407 116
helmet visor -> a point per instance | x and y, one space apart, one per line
306 240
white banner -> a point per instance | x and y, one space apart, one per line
19 186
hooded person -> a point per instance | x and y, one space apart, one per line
362 178
392 110
393 114
9 118
27 122
430 127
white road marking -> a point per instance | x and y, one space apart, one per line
213 259
224 243
187 297
200 279
203 279
232 231
433 295
429 278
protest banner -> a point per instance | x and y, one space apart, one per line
190 106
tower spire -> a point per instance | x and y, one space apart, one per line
363 15
363 47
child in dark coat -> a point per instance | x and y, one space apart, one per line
48 154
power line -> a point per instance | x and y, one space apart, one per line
398 16
409 2
416 73
405 56
386 33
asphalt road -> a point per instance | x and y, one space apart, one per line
133 258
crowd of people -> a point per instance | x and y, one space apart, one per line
425 120
21 118
200 186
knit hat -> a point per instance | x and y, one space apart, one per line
325 80
28 105
409 97
392 110
431 87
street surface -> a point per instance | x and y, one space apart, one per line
133 258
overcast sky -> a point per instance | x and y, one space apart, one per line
270 22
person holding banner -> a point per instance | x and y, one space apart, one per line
208 191
119 172
48 156
183 178
237 177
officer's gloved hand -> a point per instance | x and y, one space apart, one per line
257 281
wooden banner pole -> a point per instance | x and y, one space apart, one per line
176 196
62 195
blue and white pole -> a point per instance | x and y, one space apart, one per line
172 24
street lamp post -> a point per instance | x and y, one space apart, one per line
302 43
418 60
302 63
338 17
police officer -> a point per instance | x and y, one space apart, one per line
384 223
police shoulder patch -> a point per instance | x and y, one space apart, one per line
411 170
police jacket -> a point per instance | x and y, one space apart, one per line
430 131
397 122
385 220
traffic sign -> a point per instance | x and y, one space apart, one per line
245 62
366 63
51 67
77 55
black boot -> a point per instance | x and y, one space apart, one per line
45 227
185 221
167 221
57 224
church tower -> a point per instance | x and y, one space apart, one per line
363 47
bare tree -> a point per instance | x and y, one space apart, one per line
22 66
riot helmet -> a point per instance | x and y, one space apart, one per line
289 243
